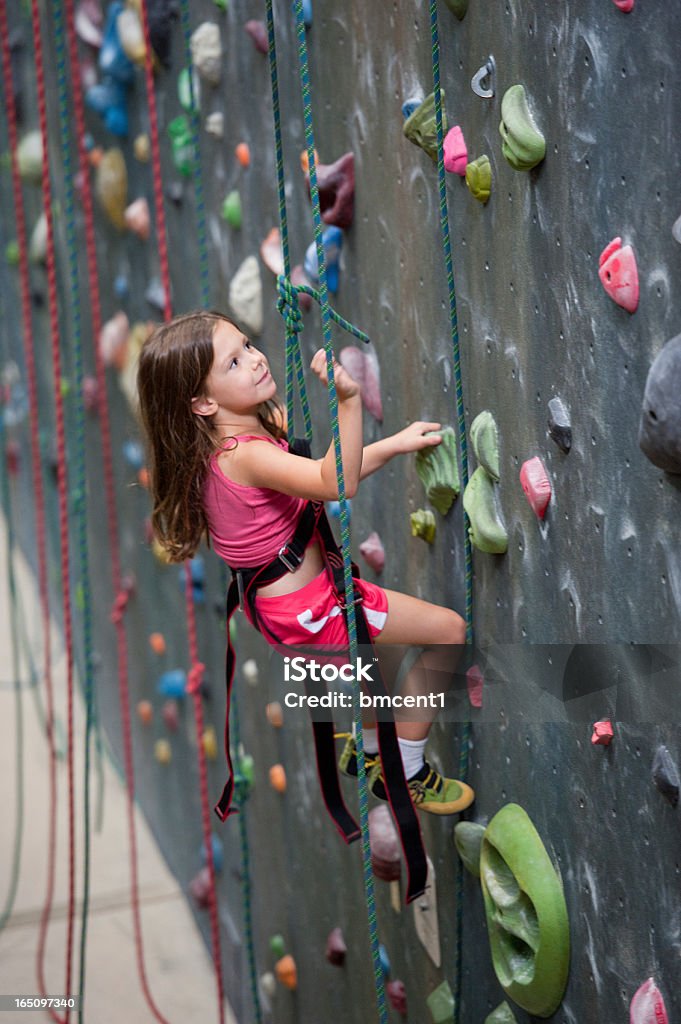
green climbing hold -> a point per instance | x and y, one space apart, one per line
468 841
523 144
438 471
440 1002
527 917
421 126
231 210
485 441
188 89
423 524
277 946
458 7
487 532
502 1015
182 144
12 253
479 178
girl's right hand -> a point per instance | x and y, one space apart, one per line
346 387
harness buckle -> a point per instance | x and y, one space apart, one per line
240 588
290 558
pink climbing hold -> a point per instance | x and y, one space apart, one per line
619 274
474 683
397 996
624 5
455 152
385 845
200 889
336 948
647 1006
336 184
298 276
603 733
536 484
171 715
258 33
270 252
372 552
363 367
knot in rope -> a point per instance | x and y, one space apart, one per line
287 304
195 677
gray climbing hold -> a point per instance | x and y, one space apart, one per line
468 841
666 775
559 424
676 230
485 441
660 429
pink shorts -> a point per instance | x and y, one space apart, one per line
313 615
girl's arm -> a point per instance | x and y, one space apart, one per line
411 439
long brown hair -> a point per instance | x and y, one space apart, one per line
174 363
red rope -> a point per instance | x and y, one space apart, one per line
62 491
36 472
196 670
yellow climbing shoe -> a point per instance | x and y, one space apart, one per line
429 790
347 762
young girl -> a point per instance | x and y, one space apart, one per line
221 469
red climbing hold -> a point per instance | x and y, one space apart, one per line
397 996
603 733
474 683
336 184
536 485
336 948
647 1006
624 5
619 274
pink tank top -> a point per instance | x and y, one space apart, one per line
247 525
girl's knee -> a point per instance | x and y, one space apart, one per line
451 627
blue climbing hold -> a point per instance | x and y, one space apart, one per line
332 240
385 960
218 853
109 99
409 106
121 287
198 574
173 683
113 60
333 508
133 453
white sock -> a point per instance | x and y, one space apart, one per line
412 756
370 737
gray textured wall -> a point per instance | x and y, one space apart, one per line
534 323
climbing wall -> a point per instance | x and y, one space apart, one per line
575 623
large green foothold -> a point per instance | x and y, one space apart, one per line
421 126
479 178
523 144
231 210
440 1002
438 471
458 7
527 919
485 441
468 841
486 530
423 524
502 1015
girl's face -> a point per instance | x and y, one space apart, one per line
239 380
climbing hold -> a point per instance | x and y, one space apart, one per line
536 485
243 154
385 845
155 294
170 715
90 393
440 1002
114 62
624 5
336 184
182 145
133 453
485 441
619 274
438 471
274 714
37 247
486 530
479 178
200 889
409 106
244 775
245 295
372 552
421 126
271 253
397 996
173 683
468 841
30 158
307 13
145 711
231 210
157 643
121 286
206 49
474 685
218 853
523 144
141 148
137 218
602 733
423 524
163 752
13 456
666 775
268 983
363 367
285 970
527 919
277 946
458 7
385 960
258 33
425 918
305 161
113 340
559 424
174 192
676 230
189 89
298 276
111 186
209 742
502 1015
332 241
108 98
659 434
455 151
647 1005
336 948
249 670
131 35
278 778
215 124
333 508
12 253
88 23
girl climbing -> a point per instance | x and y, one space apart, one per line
221 468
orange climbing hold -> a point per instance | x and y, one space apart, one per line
286 972
278 778
157 642
243 154
275 714
145 712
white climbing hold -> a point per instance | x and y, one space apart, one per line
245 295
206 48
215 124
